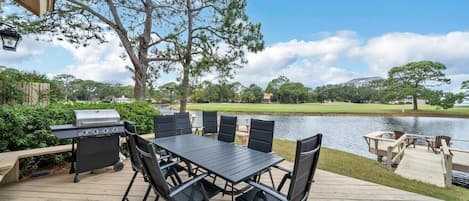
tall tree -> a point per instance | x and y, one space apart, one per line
414 78
293 92
210 35
252 94
465 85
137 23
274 85
64 80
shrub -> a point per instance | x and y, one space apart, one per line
27 127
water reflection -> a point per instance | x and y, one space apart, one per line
345 132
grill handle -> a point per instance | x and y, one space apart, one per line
86 123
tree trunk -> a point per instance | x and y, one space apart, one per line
414 102
185 89
139 90
187 60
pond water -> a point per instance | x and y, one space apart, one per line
346 132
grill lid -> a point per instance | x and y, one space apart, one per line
86 118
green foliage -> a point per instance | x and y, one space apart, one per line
442 99
12 78
413 79
465 85
274 86
27 127
252 94
293 92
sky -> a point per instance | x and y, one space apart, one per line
313 42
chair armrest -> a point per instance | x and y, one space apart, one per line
166 156
170 164
187 184
268 190
283 169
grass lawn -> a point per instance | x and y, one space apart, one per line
331 108
355 166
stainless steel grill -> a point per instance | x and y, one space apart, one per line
96 135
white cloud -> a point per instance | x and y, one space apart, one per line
395 49
99 61
315 62
306 61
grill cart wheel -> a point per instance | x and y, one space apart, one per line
118 166
76 179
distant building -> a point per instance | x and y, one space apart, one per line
364 81
122 99
408 100
267 98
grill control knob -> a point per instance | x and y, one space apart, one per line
95 131
105 130
114 129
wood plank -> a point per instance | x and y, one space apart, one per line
422 165
110 185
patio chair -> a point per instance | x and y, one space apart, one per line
261 136
164 126
183 123
129 129
131 136
195 189
209 123
435 145
409 141
227 131
301 178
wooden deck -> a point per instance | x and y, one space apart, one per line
422 165
109 185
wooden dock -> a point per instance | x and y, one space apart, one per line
110 185
418 162
421 165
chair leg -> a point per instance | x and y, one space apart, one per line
214 179
157 197
147 192
130 186
272 179
224 189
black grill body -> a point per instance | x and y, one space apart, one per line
95 140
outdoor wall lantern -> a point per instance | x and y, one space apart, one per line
10 38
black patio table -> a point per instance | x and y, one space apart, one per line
233 163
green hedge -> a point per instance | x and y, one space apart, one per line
27 127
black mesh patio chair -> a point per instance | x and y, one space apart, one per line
164 126
301 178
130 129
227 131
183 123
195 189
209 122
261 136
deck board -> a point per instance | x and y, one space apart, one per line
423 165
110 185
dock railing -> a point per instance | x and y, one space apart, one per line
447 162
400 144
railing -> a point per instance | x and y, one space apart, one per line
376 137
400 144
447 161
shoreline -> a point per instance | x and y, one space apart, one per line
370 114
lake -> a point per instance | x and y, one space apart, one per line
346 132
